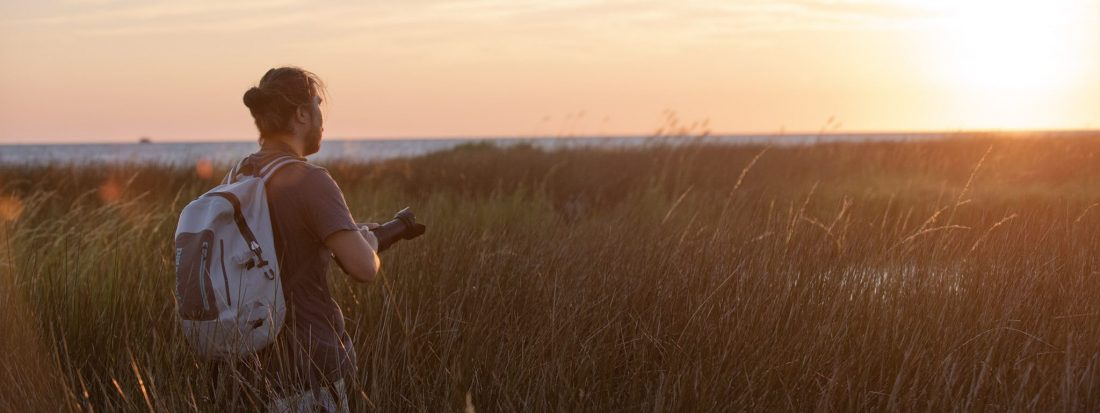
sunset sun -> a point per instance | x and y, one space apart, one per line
1007 55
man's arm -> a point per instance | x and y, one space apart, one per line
354 254
328 217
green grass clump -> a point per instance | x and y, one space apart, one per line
930 276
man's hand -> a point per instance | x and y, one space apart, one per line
368 235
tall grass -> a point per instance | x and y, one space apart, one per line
933 276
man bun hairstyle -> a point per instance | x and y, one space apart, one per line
279 94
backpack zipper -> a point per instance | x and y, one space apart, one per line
202 277
225 275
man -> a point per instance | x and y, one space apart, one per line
312 360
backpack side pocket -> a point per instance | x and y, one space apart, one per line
194 290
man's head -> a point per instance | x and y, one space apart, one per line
286 106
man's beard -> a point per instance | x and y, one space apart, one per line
313 141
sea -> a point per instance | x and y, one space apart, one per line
366 150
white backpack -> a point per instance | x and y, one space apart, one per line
228 294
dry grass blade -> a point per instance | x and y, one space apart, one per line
990 230
747 168
1086 211
672 208
929 231
141 384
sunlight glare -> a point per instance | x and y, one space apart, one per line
10 209
1013 49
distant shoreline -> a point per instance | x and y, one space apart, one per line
771 135
182 153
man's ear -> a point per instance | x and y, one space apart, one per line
301 115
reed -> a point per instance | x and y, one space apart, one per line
930 276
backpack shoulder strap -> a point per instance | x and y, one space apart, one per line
269 170
232 175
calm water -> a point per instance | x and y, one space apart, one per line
368 150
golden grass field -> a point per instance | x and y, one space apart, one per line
957 275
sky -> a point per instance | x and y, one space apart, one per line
115 71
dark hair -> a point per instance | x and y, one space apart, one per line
280 92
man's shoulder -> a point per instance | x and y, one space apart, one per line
259 160
307 169
304 178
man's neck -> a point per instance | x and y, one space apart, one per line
286 142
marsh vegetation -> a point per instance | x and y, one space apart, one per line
934 276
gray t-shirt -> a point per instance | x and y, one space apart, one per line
313 348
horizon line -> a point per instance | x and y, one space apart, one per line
773 134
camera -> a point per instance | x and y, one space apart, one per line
403 226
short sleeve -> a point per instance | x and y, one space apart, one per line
326 210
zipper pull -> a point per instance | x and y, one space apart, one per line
202 276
